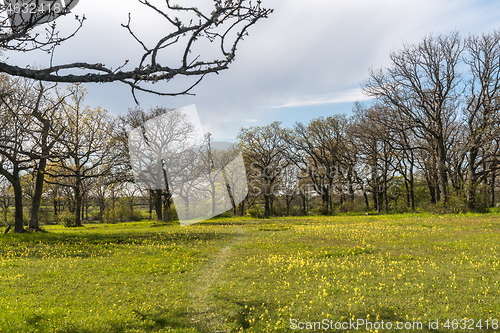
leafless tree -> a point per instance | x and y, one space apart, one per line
161 154
482 108
290 187
134 118
263 150
373 138
210 162
26 137
423 84
88 143
219 162
318 149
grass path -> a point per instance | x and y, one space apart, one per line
204 307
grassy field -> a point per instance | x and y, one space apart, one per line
248 275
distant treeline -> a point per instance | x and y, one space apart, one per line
428 140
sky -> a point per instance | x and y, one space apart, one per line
307 60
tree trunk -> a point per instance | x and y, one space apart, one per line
432 192
365 196
431 185
150 204
242 207
101 202
471 194
304 206
84 202
492 188
113 200
442 174
386 199
407 187
267 197
186 210
166 206
266 205
158 205
78 202
375 187
325 193
472 180
212 185
380 198
230 192
330 203
351 192
412 183
37 195
18 203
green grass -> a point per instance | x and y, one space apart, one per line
230 275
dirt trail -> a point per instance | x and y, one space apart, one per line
202 310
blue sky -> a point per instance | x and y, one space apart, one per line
306 60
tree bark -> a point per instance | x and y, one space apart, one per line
492 188
365 197
472 179
158 205
151 194
242 207
37 195
442 172
412 182
78 203
267 197
18 204
166 206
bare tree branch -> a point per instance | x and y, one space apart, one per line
228 23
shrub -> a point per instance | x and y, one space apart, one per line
323 209
172 213
46 216
5 213
457 203
135 215
109 216
228 213
121 213
67 219
255 211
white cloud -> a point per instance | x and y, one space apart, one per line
345 96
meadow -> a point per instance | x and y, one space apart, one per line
249 275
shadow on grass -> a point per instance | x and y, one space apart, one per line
145 323
245 310
115 238
158 320
91 244
202 321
